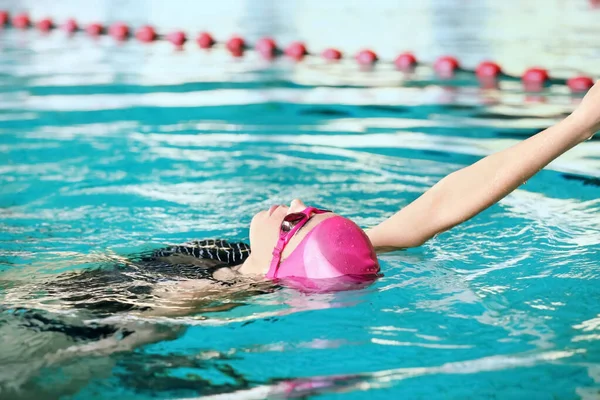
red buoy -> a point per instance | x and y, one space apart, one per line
70 26
580 84
488 70
332 54
446 66
94 29
146 34
535 76
119 31
178 38
4 18
45 25
236 46
534 79
21 21
266 47
205 40
296 50
366 57
405 62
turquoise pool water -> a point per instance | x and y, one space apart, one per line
111 150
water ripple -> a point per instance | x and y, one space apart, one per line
106 155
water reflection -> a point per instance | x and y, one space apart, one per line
117 149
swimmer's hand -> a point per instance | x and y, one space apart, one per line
468 191
588 111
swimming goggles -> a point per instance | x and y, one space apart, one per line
289 226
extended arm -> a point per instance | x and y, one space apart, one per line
466 192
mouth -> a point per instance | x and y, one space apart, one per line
272 209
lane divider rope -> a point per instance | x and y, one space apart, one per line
487 72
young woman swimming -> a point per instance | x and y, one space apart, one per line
299 243
304 242
310 244
287 243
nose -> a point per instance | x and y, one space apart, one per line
296 206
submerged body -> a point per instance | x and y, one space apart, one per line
143 284
131 283
89 311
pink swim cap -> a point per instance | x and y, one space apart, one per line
334 248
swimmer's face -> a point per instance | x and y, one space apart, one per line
264 233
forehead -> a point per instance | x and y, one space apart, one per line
315 220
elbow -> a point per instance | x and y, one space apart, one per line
418 240
442 214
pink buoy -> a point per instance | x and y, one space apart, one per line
366 57
94 29
534 79
488 70
580 84
205 40
332 54
296 50
236 46
405 62
146 34
70 26
178 38
21 21
446 66
119 31
45 25
4 18
535 75
266 47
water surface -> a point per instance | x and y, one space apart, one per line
109 150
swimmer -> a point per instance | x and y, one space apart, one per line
307 244
304 242
288 244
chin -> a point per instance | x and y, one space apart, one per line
259 227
